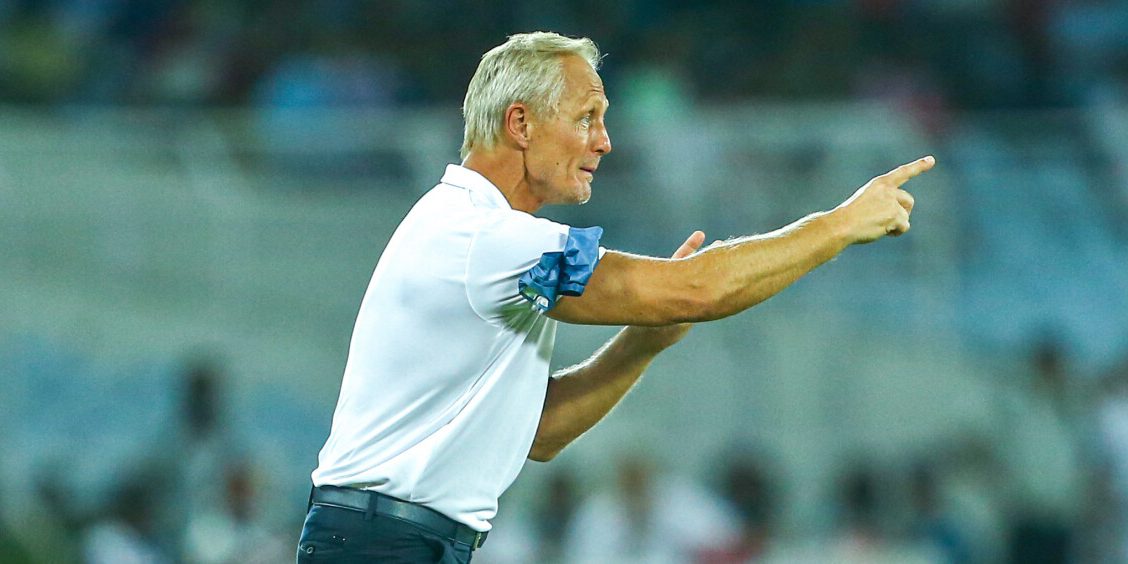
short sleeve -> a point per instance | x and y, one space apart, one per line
517 260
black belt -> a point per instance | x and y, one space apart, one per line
374 503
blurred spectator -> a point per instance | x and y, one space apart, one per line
648 518
969 492
932 523
859 528
209 478
535 531
746 485
202 403
863 509
205 443
232 533
555 513
127 534
1111 491
1040 451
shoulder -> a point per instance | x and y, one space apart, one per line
519 229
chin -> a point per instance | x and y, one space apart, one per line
576 194
583 195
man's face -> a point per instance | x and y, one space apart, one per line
564 150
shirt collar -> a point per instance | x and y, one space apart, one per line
462 177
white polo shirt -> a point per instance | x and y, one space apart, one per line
448 363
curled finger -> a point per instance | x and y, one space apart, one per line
899 225
906 200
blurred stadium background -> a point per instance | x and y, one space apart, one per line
193 194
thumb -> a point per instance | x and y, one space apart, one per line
690 245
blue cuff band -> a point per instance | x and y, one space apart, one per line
562 273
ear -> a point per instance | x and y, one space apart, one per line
517 124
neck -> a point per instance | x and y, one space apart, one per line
505 169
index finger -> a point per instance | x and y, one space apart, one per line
903 173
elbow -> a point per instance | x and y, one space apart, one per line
681 305
697 296
548 440
697 304
719 299
541 452
719 305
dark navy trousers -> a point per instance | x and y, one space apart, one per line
344 536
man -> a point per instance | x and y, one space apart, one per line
446 390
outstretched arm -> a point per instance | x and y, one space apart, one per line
582 395
738 274
724 279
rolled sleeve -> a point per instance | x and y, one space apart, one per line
565 272
520 261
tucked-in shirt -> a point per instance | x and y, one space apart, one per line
449 360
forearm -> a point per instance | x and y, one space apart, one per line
733 275
743 272
582 395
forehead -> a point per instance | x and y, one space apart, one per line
581 82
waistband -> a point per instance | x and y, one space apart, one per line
374 503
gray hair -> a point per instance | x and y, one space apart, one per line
527 68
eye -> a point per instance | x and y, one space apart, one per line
585 122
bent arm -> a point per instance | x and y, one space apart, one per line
586 393
580 396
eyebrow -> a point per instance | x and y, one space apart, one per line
605 102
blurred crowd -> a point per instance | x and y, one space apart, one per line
952 53
1046 481
190 493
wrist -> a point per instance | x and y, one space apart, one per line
836 223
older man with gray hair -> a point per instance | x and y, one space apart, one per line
447 389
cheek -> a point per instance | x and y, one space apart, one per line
572 154
559 158
540 163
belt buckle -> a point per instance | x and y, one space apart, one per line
477 540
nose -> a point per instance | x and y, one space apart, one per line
602 141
